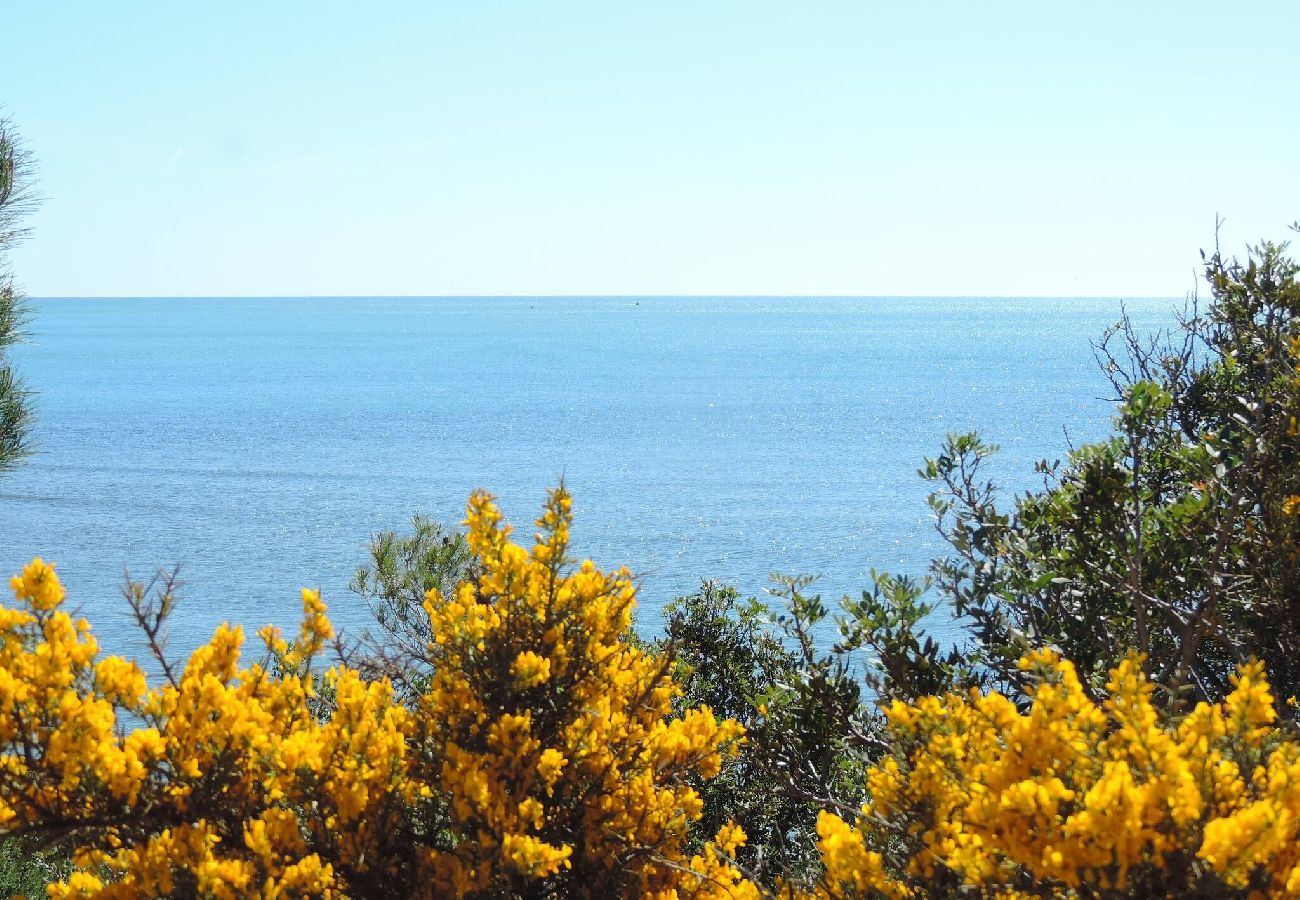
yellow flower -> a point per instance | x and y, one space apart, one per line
730 838
38 585
533 857
550 765
530 669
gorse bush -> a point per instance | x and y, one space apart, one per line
541 760
548 732
1073 798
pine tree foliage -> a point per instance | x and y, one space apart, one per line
16 201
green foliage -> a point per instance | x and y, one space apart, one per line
25 869
818 735
727 657
812 728
401 570
16 200
906 663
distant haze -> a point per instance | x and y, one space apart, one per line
947 148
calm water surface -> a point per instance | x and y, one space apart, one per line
259 442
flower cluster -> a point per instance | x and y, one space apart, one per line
1071 793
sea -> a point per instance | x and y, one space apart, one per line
258 443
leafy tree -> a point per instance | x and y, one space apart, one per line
26 868
1176 537
16 200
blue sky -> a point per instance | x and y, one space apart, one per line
653 148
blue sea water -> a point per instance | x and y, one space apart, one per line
260 442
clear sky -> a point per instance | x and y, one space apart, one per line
271 148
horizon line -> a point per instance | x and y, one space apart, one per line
597 296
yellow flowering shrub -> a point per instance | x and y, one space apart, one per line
542 759
551 734
1071 797
226 786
